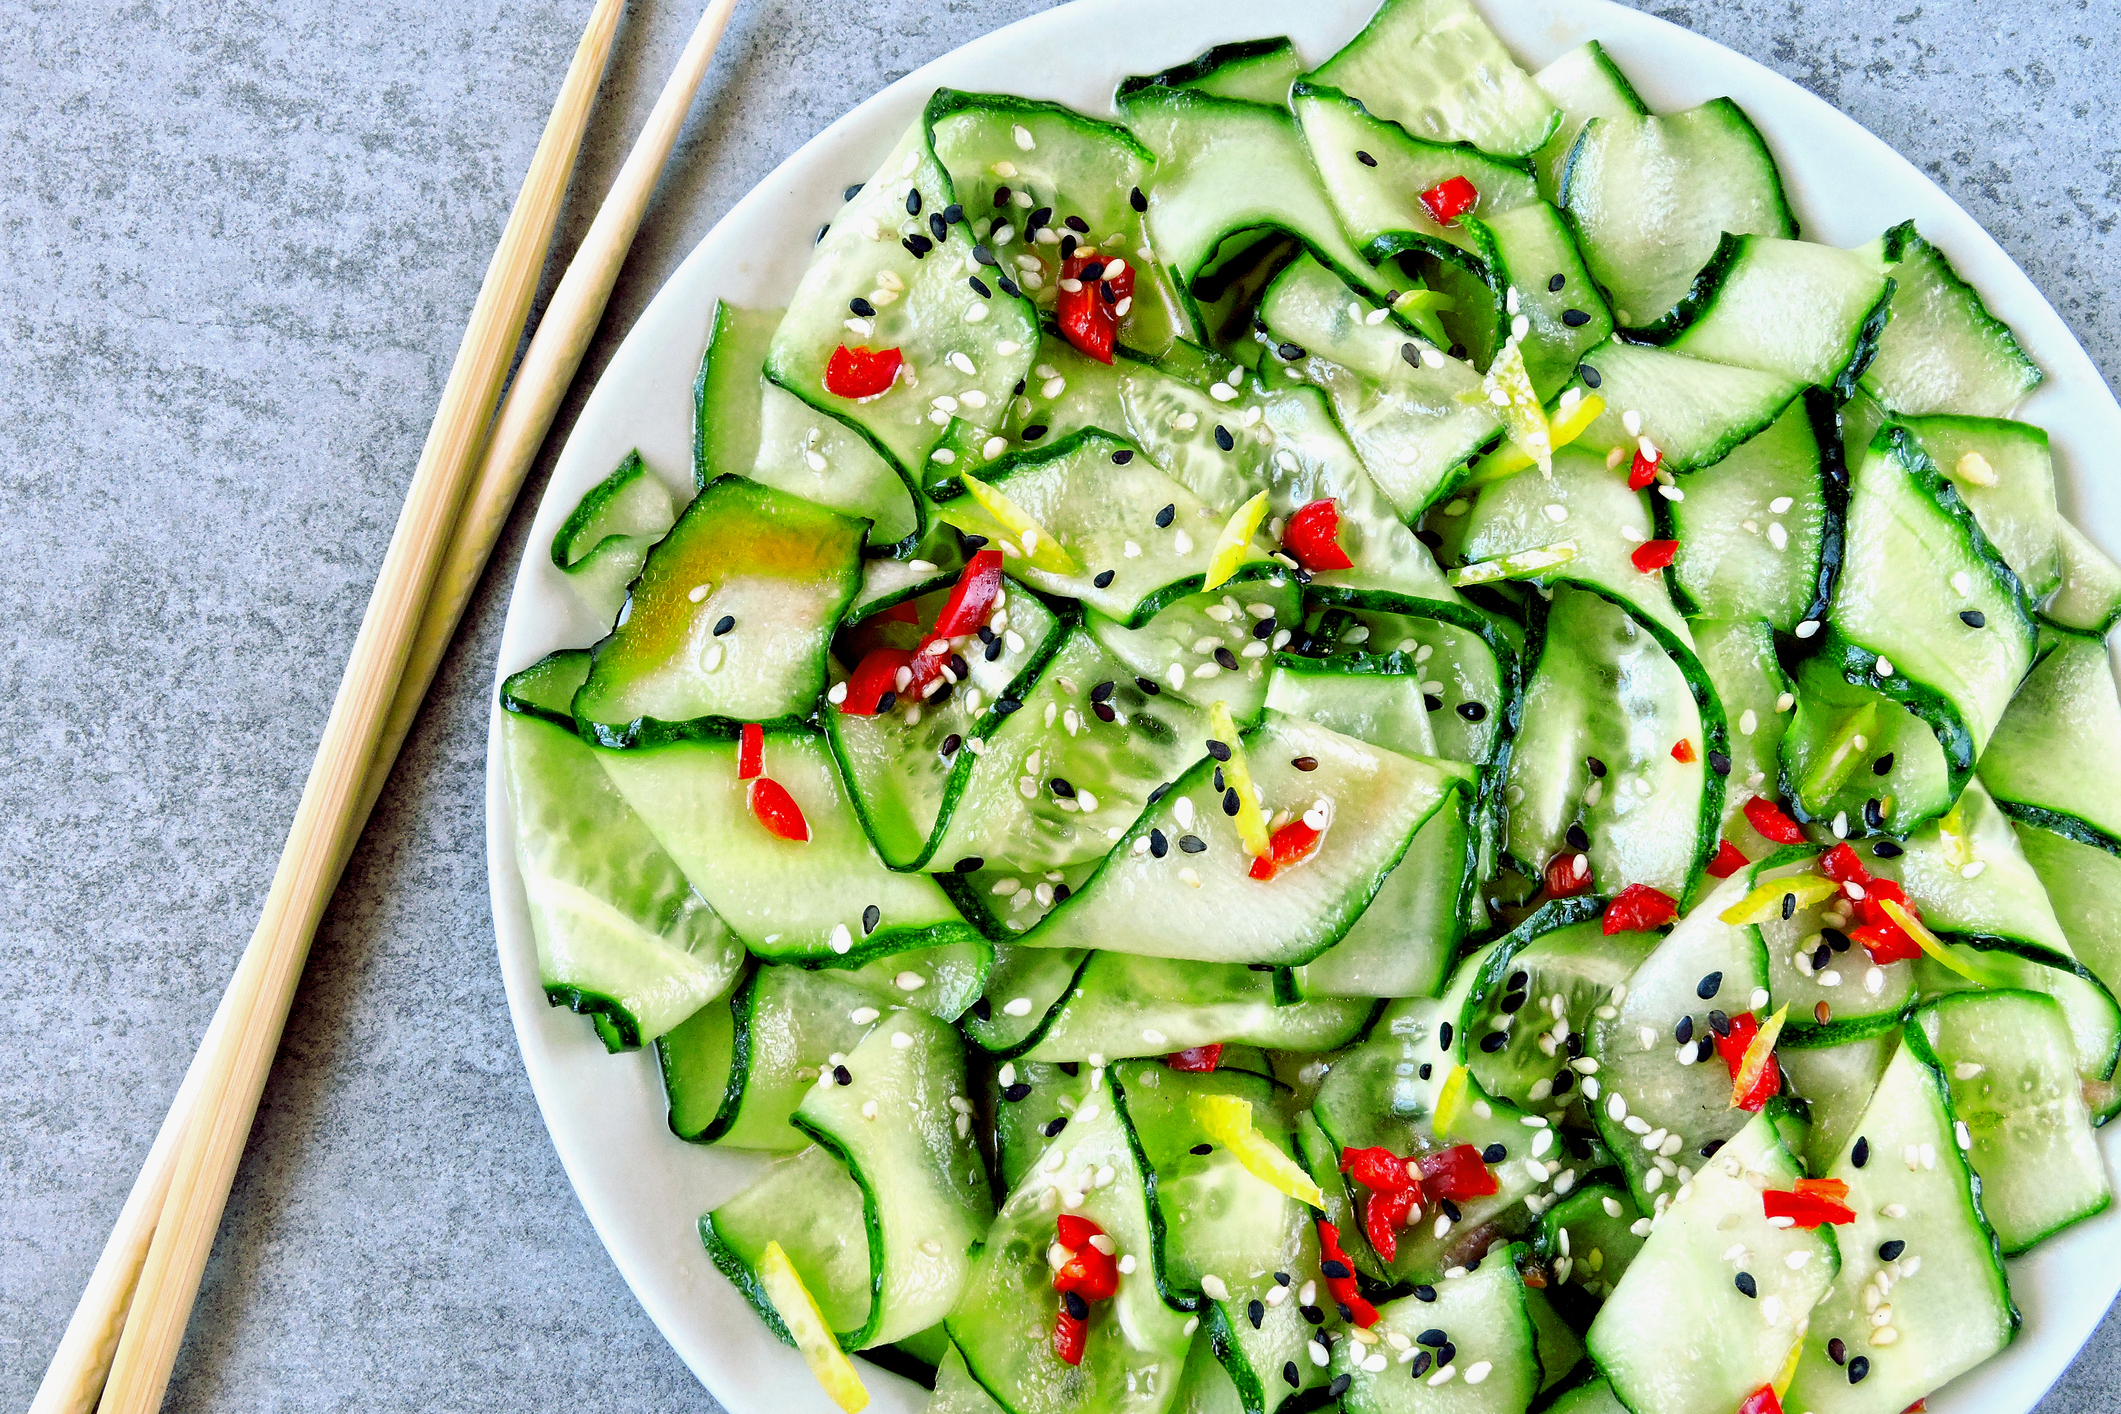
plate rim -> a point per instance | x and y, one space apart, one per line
704 1319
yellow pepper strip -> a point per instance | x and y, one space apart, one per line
1041 551
1757 1053
1509 459
799 1313
1765 902
1511 397
1237 776
1951 828
1227 1120
1234 542
1450 1102
1936 947
1789 1366
1420 307
1518 564
1850 740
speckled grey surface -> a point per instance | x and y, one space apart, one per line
238 243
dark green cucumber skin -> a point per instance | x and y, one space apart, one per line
2061 823
521 692
586 509
742 1278
1918 1045
616 1026
740 1006
1203 66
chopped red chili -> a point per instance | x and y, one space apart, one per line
751 752
1289 844
861 373
1312 537
1450 199
777 811
1727 862
1767 817
1639 907
1653 555
1197 1060
1089 315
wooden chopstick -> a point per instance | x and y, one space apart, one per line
229 1075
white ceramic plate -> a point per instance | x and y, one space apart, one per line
644 1189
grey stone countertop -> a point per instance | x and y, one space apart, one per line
240 244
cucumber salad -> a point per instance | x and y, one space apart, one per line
1359 740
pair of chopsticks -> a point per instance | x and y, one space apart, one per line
122 1343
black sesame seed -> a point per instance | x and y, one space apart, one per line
1075 1305
1040 217
1223 439
1001 196
1010 288
1562 1082
871 916
1035 431
1431 701
1684 1031
886 702
973 542
1513 1001
1219 750
852 192
953 213
919 245
983 255
1837 1351
1834 938
983 1009
1230 801
1432 1338
1304 763
1704 1048
1577 837
1597 767
1003 706
1886 849
1575 318
1861 1154
1411 353
1165 516
1973 618
1105 711
1312 1314
1858 1368
950 744
1789 910
938 227
1136 200
1746 1285
1094 270
1148 686
1192 844
1228 659
1062 787
1067 246
993 651
1710 986
1333 1269
971 864
723 624
1159 845
1711 1149
1873 814
1078 225
1264 628
1473 711
1340 1383
1890 1251
1554 284
1450 1352
1420 1364
861 306
820 236
1290 352
1365 158
1494 1154
1425 1068
1160 792
1458 351
1122 457
841 1075
1719 1023
1494 1041
1424 1293
1281 1278
1450 1210
979 286
1720 763
1103 690
1823 956
1443 1036
1257 1310
1061 893
913 201
1288 1370
1018 1091
1589 375
1216 779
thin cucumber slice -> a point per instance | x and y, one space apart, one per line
1528 249
1943 350
2089 596
1809 312
1652 194
727 392
1826 777
2049 763
2013 1076
1554 1341
1377 698
1254 70
1179 901
1584 84
1836 1081
1054 785
1134 1340
955 1391
811 901
2084 885
1465 692
1490 1346
1150 1006
1957 677
1375 172
810 1205
621 935
1739 657
1745 1287
1436 69
1230 175
907 768
887 582
1593 1396
1031 1102
1192 634
1587 1241
1653 1084
883 245
735 1073
1002 902
925 1200
1832 988
777 569
1227 1240
1397 399
606 537
1915 1191
1022 991
1105 506
2006 475
1760 531
1020 165
1532 1006
1605 690
1695 412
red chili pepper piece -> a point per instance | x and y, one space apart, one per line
1450 199
874 678
1089 1272
1088 315
1312 537
1641 471
1683 752
1841 864
751 752
1727 862
777 811
1806 1210
1767 817
1287 845
1886 942
1761 1401
1378 1169
1638 907
1457 1173
1382 1218
972 597
1074 1230
1744 1027
903 612
1342 1288
1069 1336
1562 877
861 373
1196 1060
1653 555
